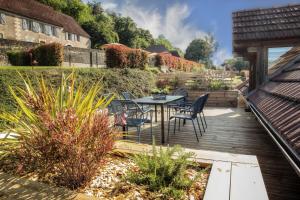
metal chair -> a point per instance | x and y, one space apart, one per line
206 98
192 115
133 114
128 95
180 103
188 109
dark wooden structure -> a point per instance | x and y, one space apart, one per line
256 30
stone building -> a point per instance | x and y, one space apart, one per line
31 21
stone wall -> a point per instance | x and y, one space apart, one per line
73 56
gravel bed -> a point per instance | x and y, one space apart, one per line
109 183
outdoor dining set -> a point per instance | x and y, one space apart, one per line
132 112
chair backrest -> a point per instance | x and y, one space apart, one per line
204 102
197 106
128 95
181 92
131 107
116 107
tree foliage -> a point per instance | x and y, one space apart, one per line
162 40
102 26
201 50
238 64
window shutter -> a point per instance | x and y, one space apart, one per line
2 18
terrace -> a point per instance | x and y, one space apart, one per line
235 131
67 137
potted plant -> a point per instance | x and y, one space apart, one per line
160 94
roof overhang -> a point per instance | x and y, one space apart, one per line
287 151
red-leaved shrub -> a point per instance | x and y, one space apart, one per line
176 63
121 56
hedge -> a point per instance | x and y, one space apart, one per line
44 55
121 56
139 82
19 58
176 63
49 54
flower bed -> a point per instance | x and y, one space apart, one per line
109 182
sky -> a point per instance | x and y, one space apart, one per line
181 21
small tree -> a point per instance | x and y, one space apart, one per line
201 49
238 64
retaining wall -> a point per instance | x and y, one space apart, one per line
217 98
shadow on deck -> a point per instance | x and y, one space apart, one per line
234 131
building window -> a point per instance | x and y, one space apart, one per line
70 36
25 24
48 30
2 18
78 38
36 27
54 31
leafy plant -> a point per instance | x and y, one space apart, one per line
164 171
19 58
49 54
62 133
121 56
165 91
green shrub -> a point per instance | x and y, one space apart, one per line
216 85
164 171
59 133
139 82
49 54
19 58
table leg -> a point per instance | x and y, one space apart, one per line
124 132
162 124
155 109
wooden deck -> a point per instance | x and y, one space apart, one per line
235 131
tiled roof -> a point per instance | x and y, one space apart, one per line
157 49
278 101
271 23
243 87
35 10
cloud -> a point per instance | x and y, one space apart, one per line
220 55
171 23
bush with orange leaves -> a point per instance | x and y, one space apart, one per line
121 56
176 63
62 134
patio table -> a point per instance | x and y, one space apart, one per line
150 101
